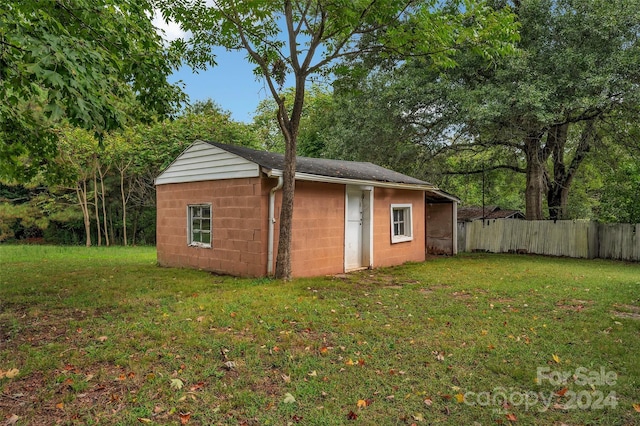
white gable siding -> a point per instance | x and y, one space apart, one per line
202 162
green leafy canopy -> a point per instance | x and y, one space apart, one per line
86 62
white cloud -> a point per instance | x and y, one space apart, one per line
168 30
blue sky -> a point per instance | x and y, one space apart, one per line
231 84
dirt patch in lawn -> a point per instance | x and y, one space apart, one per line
627 311
69 396
575 305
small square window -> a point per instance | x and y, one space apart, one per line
199 229
401 223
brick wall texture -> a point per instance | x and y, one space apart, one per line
240 227
384 252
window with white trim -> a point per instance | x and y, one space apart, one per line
199 225
401 223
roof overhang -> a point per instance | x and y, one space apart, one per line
346 181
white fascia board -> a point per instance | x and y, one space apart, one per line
439 193
360 182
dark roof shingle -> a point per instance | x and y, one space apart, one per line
469 213
322 167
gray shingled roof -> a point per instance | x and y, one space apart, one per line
470 213
322 167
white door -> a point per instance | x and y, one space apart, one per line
353 229
358 229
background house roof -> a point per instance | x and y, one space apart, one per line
322 167
469 213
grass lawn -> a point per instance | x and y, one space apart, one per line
104 336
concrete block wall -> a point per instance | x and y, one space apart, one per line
239 226
318 229
384 252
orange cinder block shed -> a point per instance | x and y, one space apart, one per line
219 207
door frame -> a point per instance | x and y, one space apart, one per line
366 240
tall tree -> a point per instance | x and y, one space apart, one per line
541 112
297 39
89 62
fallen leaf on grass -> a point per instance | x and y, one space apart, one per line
197 387
459 398
288 398
60 405
176 384
286 378
439 355
9 374
352 416
12 420
312 374
184 418
511 417
562 391
418 417
103 338
362 403
636 407
349 362
144 420
556 358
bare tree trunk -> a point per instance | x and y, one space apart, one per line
95 202
283 258
558 188
289 128
125 200
81 192
124 209
104 207
535 178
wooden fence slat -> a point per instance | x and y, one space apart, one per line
583 239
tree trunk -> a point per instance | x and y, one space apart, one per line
535 177
556 192
81 192
95 203
283 258
558 188
124 209
289 128
104 208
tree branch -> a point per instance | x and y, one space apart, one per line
488 169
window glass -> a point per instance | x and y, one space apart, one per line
199 232
401 224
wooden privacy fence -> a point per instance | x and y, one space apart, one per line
580 238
